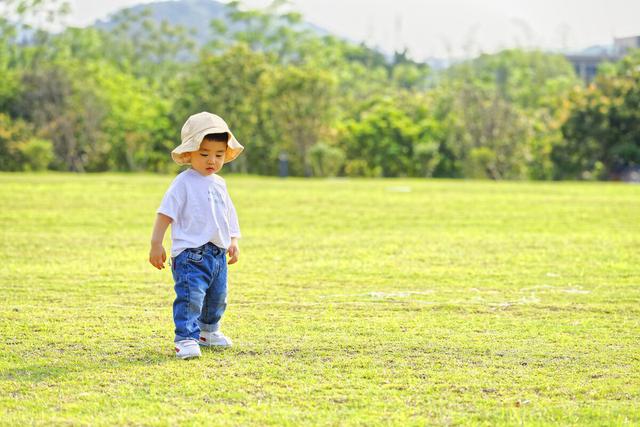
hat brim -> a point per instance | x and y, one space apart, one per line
180 153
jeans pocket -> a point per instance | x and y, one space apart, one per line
194 255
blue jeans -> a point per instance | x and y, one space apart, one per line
200 276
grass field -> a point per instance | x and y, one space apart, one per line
355 302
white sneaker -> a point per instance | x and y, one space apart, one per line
187 349
217 339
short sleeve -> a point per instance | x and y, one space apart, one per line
172 201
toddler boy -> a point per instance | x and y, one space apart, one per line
204 228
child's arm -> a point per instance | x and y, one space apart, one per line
157 255
234 251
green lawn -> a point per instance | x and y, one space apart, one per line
355 302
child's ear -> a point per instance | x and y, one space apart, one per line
187 156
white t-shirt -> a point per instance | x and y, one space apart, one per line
201 211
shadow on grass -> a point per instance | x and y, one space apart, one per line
43 372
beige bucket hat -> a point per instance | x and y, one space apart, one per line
195 129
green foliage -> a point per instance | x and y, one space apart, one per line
382 136
603 128
326 160
361 168
20 150
502 114
232 84
37 154
526 78
301 108
148 49
115 100
408 74
64 111
426 157
13 134
9 88
395 136
135 117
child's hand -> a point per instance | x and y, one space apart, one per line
157 256
233 251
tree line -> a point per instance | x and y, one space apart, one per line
88 100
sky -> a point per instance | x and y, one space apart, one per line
447 28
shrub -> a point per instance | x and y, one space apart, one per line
326 160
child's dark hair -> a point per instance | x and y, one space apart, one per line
217 137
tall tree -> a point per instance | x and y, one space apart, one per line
603 130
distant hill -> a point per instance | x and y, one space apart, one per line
194 15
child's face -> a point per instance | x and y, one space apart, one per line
209 158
